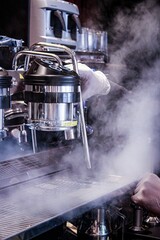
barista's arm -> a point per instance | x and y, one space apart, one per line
93 82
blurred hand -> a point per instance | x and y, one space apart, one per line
92 82
147 193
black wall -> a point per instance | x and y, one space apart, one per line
14 15
14 19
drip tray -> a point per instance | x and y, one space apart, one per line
32 166
31 208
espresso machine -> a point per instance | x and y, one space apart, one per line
54 21
52 93
71 204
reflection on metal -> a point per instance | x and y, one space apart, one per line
99 229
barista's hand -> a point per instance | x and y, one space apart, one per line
93 82
147 193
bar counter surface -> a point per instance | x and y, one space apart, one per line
37 195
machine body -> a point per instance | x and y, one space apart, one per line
54 21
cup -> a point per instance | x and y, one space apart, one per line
82 40
91 40
101 41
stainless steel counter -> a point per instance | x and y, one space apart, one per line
41 201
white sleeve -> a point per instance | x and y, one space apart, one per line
93 82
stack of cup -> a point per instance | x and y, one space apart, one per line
91 40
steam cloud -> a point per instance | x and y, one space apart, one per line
135 48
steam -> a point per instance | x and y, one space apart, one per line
135 48
135 39
125 127
136 122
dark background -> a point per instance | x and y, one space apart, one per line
14 22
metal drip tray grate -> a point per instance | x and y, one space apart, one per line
31 166
31 208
